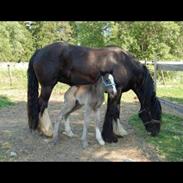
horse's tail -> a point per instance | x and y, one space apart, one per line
32 96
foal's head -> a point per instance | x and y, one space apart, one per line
109 84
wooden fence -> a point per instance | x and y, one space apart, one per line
167 66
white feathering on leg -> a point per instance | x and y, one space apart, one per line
45 124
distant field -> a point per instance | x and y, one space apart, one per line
173 93
16 85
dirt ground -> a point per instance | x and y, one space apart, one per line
18 144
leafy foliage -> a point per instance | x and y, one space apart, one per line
146 40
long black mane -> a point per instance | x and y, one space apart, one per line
150 111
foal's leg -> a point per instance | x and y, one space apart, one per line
84 137
68 130
98 133
68 106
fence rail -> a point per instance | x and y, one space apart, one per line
13 65
166 66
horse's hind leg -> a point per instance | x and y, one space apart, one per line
98 133
45 125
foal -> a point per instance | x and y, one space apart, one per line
91 97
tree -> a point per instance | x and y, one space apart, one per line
119 35
90 34
15 42
5 47
48 32
147 40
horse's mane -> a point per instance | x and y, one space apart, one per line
149 92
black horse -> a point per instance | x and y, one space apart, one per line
76 65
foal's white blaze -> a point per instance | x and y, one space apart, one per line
118 128
111 78
45 124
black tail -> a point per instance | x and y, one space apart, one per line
32 96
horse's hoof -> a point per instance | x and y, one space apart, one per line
112 138
121 134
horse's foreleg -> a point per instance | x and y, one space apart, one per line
98 133
45 125
111 114
117 126
119 129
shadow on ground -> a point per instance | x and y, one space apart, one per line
17 143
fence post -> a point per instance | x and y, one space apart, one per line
9 73
155 74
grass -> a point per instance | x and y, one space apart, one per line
18 79
169 143
5 101
173 93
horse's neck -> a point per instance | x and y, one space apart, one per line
141 90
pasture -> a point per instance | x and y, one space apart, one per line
17 143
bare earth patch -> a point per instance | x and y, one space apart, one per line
18 144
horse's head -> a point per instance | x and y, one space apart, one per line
109 84
152 118
150 111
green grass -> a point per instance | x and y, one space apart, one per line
5 101
169 143
173 93
18 79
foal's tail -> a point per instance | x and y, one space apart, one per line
32 96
